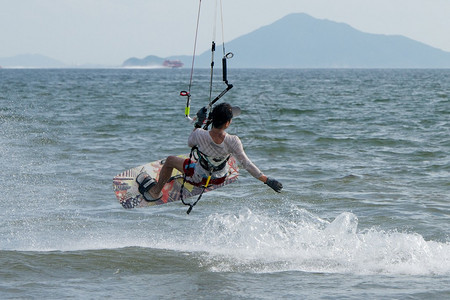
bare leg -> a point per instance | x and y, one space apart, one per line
165 174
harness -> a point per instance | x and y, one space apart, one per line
211 166
214 165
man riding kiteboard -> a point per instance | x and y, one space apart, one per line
213 147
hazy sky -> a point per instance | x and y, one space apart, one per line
110 31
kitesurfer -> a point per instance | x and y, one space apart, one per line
214 148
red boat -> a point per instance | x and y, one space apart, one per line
173 63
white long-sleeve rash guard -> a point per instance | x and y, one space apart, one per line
231 144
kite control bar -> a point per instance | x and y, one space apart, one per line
224 78
224 68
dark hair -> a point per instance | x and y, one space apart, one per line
221 114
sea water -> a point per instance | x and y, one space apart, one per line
364 157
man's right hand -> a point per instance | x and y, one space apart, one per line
201 117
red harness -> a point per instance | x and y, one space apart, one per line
189 171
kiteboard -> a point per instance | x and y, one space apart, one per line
127 191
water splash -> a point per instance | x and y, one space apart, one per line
255 242
292 239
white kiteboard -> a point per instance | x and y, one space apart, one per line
127 191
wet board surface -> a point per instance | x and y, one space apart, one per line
126 188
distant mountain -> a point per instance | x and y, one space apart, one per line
295 41
301 41
30 61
